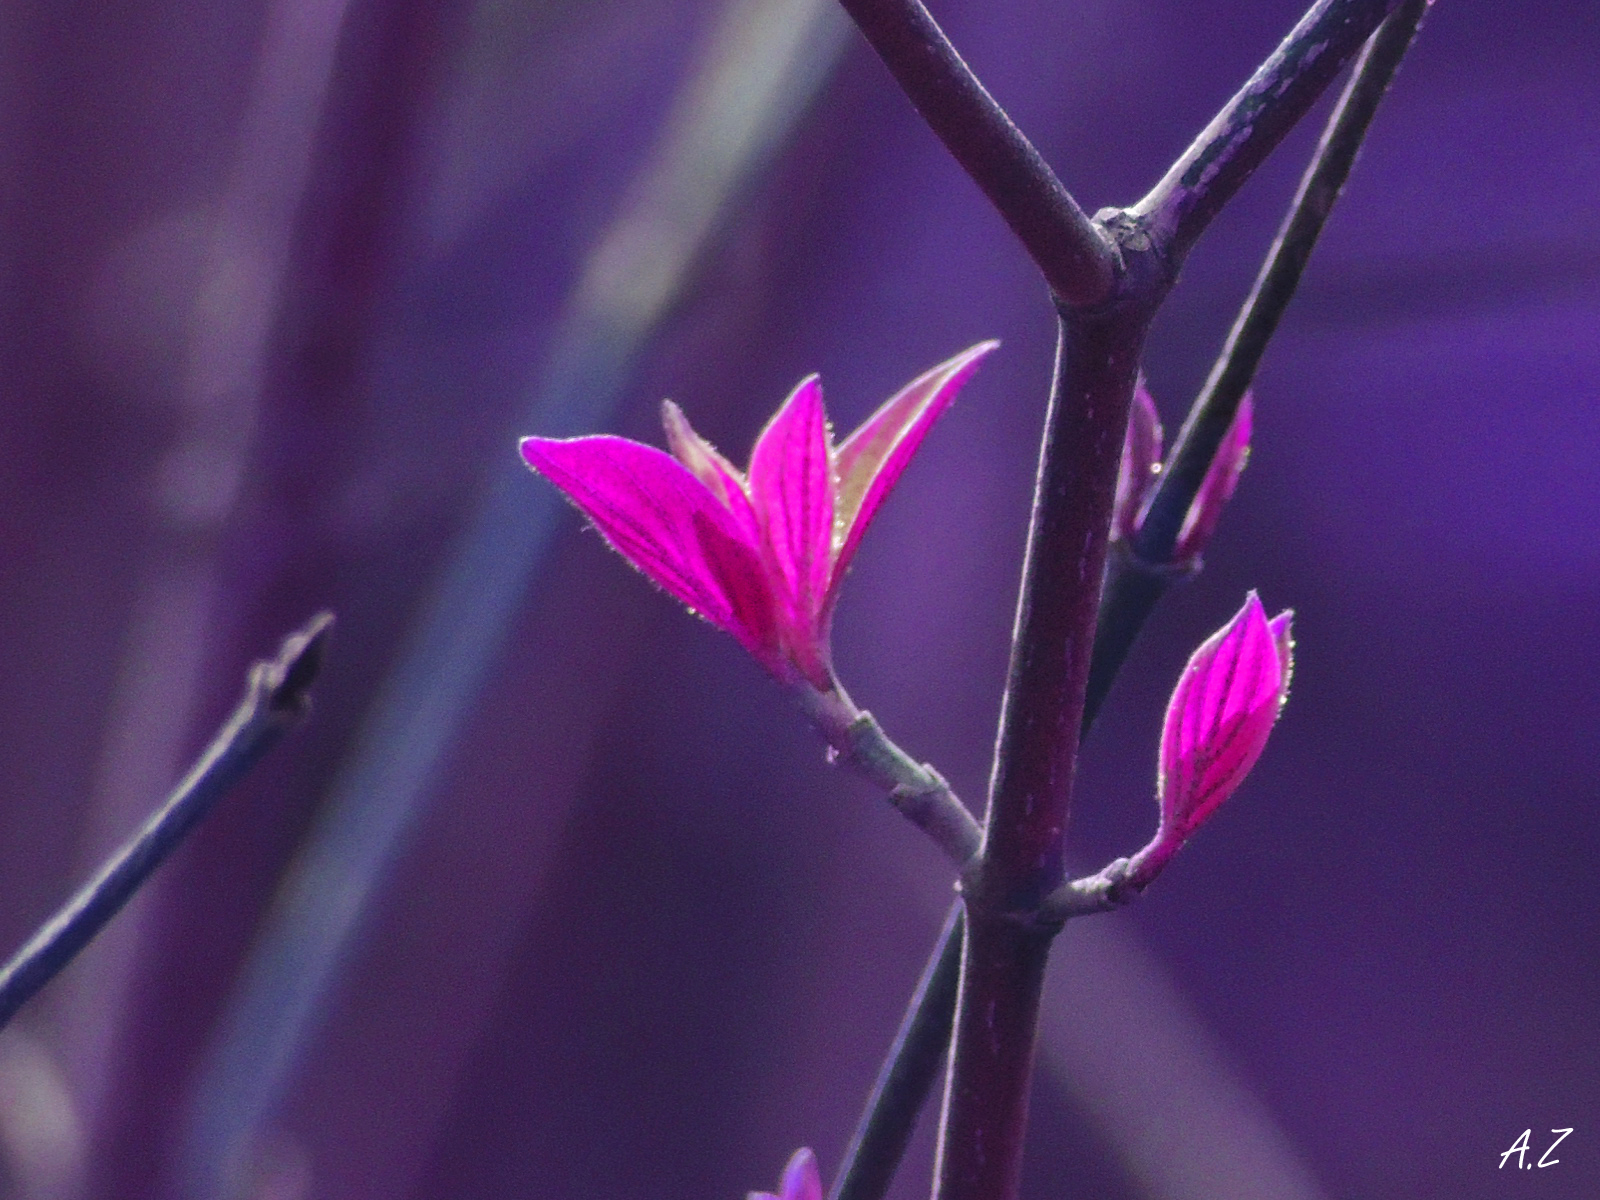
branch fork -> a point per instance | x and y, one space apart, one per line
1107 275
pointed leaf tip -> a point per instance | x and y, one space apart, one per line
801 1178
1220 715
1204 514
792 492
1141 463
871 460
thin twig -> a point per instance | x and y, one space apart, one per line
1076 258
1214 167
907 1075
275 699
916 790
1213 410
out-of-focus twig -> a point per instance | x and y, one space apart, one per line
1213 410
765 61
275 698
1143 570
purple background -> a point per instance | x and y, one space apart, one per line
642 941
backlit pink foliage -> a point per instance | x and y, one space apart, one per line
1141 464
1141 470
801 1180
1220 715
1201 520
758 553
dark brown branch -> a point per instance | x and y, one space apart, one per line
1097 361
1077 260
991 1069
1238 140
1102 330
275 699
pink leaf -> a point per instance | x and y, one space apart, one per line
871 459
801 1180
791 488
1141 461
1200 522
1220 715
1283 636
666 523
721 477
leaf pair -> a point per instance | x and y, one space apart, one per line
1141 468
761 553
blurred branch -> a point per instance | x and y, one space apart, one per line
275 700
1075 256
1216 164
907 1074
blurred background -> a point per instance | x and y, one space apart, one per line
555 896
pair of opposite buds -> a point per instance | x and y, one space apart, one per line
761 554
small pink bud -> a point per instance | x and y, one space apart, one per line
1201 520
1141 464
1220 715
801 1180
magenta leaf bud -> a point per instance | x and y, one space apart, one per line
1221 713
1141 464
760 553
801 1180
1200 522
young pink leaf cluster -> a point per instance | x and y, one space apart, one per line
801 1180
1141 469
759 553
1224 707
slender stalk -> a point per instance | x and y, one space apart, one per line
907 1074
1213 410
275 699
917 791
1178 209
1076 258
